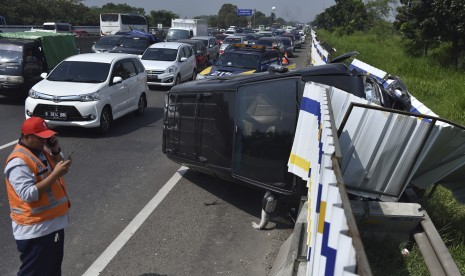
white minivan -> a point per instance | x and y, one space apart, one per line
90 91
169 63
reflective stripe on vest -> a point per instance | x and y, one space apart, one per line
51 203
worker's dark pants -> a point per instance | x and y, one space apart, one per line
43 255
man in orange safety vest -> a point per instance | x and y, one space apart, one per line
37 196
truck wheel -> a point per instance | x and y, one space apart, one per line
105 121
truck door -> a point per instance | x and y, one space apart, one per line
265 121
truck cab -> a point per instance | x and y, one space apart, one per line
24 56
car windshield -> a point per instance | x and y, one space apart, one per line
161 54
134 42
80 71
230 40
10 53
220 36
231 59
286 42
108 40
265 42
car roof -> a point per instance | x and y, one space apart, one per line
168 45
190 41
235 36
202 37
100 57
244 48
269 38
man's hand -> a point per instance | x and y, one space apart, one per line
62 168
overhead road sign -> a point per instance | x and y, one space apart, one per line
244 12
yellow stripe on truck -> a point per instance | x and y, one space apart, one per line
248 72
206 71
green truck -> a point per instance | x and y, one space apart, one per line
24 56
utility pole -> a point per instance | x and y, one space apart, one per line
254 11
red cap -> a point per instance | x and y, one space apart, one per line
38 127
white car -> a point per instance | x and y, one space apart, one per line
90 90
231 39
169 63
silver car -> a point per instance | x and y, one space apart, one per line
169 63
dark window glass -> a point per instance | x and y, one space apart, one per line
139 66
109 17
160 54
79 71
266 117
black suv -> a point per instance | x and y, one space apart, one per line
242 128
242 59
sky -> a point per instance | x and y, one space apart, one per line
302 11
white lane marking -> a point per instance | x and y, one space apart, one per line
109 253
8 145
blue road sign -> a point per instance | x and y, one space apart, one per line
244 12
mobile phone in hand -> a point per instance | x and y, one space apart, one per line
50 143
70 155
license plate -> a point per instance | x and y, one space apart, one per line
152 77
56 115
2 78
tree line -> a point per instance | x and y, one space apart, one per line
33 12
424 24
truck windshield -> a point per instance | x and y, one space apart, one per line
10 53
178 34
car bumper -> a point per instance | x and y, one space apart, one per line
73 113
165 79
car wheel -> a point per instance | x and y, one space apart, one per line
194 74
177 81
142 105
105 121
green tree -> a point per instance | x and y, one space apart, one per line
450 18
227 16
162 17
212 20
346 15
414 19
121 8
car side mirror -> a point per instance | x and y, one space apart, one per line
117 79
183 59
43 75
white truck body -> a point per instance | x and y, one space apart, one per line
197 26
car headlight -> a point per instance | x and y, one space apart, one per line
171 69
89 97
33 94
18 79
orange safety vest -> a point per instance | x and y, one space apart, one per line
51 204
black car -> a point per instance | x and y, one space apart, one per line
242 59
132 44
242 128
252 38
271 43
106 43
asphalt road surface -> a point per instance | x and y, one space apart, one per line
135 212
